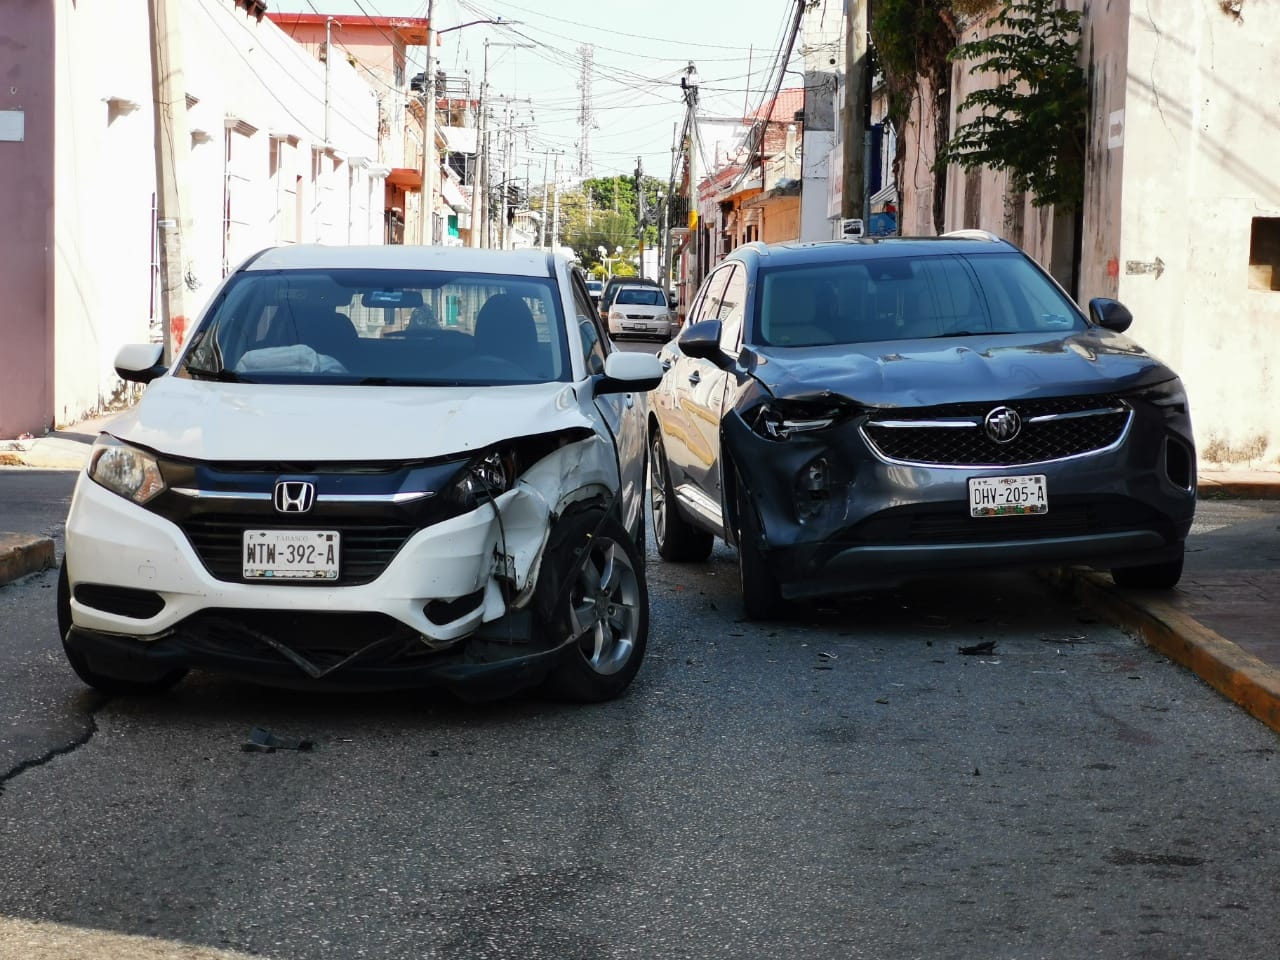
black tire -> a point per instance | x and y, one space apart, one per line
109 684
761 596
1154 576
600 598
676 539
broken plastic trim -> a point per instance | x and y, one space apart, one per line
779 419
493 471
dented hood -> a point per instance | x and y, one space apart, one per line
955 370
204 420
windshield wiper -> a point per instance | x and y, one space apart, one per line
222 375
407 382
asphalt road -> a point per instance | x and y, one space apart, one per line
845 784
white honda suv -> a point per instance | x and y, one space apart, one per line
379 466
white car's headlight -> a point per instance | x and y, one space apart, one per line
125 470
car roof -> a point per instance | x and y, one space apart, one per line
634 281
794 252
312 256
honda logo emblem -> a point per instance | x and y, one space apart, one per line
1003 424
294 496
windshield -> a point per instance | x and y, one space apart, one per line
856 301
383 327
641 296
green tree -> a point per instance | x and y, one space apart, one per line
912 42
1032 122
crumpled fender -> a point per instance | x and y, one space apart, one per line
579 471
767 472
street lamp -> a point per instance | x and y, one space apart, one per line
609 261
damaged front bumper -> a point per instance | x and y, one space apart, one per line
835 518
450 608
498 660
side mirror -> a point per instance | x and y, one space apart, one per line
139 362
629 373
700 340
1111 314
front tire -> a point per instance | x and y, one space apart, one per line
111 684
677 540
592 587
1153 576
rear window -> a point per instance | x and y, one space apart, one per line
392 327
640 297
907 298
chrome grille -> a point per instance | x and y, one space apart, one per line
952 434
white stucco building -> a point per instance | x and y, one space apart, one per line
78 259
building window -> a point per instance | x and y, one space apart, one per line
1264 254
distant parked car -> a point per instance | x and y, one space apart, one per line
326 490
611 287
640 311
856 414
594 289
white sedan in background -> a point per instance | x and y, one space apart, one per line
641 311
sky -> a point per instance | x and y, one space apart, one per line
641 49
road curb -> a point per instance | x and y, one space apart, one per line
1239 489
1233 672
22 554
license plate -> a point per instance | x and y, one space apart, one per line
1008 496
291 554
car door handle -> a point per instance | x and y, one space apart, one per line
695 378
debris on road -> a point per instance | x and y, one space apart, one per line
977 649
264 741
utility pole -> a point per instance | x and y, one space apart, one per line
173 144
689 83
329 24
640 211
480 174
546 195
854 115
429 162
555 216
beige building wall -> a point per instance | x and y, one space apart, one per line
1201 139
1182 139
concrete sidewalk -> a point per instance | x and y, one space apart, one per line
1219 622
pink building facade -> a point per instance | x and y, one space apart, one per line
26 216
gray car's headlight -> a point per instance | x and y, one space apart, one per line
125 470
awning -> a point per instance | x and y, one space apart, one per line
453 195
886 194
459 139
406 177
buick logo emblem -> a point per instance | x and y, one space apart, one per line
294 496
1002 424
